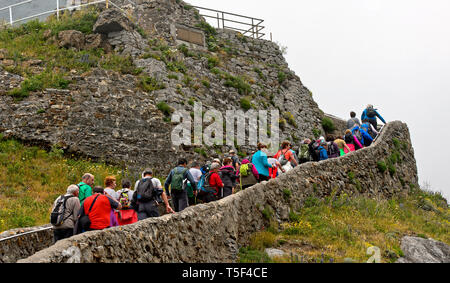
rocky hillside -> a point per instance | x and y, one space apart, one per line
103 85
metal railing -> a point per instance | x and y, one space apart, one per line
59 9
248 26
10 9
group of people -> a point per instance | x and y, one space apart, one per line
84 208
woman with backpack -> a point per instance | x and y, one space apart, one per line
127 215
352 141
286 157
259 159
248 174
228 176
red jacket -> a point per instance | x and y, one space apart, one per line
215 182
100 214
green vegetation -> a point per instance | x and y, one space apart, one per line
34 40
165 108
238 83
281 77
245 104
150 84
381 166
213 62
290 119
201 151
340 227
210 36
46 79
32 178
328 125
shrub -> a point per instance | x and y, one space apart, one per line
245 104
267 212
261 240
287 194
165 108
238 83
213 62
328 125
381 166
281 77
185 50
150 84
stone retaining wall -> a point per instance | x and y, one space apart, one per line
15 247
215 232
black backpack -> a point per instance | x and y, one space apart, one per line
57 215
145 190
314 151
371 113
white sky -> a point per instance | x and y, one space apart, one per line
349 53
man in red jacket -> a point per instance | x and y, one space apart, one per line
100 212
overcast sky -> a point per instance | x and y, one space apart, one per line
394 54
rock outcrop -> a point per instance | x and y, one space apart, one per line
108 116
420 250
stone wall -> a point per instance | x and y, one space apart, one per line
27 242
215 232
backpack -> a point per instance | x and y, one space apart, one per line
203 184
124 199
314 151
145 190
358 134
371 113
57 214
177 179
282 159
332 149
244 170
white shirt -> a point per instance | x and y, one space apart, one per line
196 174
156 183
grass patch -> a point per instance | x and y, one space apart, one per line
150 84
32 178
344 227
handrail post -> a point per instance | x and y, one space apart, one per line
10 16
57 9
223 20
253 29
218 21
107 4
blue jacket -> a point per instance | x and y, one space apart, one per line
261 164
323 153
364 116
366 139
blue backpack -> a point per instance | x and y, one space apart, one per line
203 184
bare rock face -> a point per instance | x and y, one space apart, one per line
112 20
419 250
71 38
97 40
